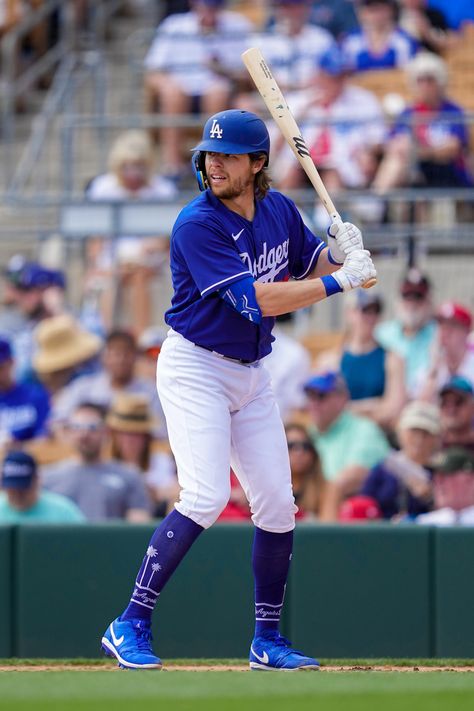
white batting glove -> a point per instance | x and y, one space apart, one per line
358 268
343 238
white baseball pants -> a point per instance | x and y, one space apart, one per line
221 413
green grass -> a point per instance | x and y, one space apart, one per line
404 662
234 691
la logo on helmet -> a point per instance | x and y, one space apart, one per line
216 130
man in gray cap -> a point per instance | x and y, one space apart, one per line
453 488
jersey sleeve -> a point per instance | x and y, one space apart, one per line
305 248
209 257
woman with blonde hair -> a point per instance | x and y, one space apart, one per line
306 473
128 261
131 428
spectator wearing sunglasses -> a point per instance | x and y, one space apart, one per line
101 489
412 332
456 402
306 472
348 444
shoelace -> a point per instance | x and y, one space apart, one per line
144 638
281 641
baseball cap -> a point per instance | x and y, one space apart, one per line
333 62
31 275
454 459
18 470
360 508
364 298
5 350
457 384
327 382
414 282
421 416
452 311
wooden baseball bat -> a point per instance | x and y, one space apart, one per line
281 113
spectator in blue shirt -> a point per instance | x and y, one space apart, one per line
431 134
24 409
380 43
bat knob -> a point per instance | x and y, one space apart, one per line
369 284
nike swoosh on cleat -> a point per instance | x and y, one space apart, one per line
236 237
117 640
264 658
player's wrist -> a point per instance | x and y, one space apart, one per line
331 285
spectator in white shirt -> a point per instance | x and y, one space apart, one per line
191 66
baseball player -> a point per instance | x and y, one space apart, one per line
233 251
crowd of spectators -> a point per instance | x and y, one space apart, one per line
317 51
381 427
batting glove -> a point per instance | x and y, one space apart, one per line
343 238
357 269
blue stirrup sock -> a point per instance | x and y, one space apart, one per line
168 546
271 556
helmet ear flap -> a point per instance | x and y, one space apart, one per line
199 169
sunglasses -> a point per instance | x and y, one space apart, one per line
86 426
453 400
413 296
318 395
371 310
303 446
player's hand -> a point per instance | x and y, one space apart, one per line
357 269
343 238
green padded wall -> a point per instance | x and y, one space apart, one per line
6 573
454 592
72 581
361 591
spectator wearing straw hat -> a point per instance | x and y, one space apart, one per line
131 427
22 500
103 489
116 375
64 350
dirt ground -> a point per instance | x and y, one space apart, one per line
223 667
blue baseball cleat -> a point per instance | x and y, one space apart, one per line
129 641
272 652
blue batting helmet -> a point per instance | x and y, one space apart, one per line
232 131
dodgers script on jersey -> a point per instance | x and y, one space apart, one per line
213 247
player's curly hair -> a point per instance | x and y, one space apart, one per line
262 179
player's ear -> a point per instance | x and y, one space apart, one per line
199 169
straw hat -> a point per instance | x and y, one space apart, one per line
131 413
62 343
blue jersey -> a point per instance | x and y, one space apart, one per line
212 247
24 411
